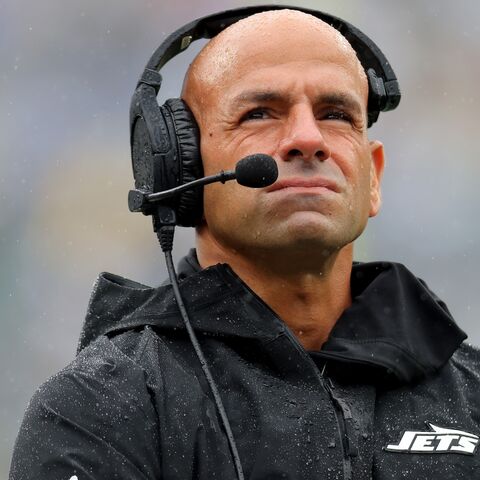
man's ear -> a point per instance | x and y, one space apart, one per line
377 164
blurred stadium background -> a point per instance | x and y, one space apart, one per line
67 72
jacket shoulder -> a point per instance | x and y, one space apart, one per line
107 366
467 359
94 415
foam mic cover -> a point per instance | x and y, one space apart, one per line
256 171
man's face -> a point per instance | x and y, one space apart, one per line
308 111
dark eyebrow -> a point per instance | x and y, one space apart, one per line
343 100
258 96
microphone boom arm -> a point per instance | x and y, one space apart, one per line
138 199
218 177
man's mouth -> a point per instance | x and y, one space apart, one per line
306 184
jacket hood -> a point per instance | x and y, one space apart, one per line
395 328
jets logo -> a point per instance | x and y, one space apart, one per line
437 440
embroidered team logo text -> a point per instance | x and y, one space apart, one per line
438 440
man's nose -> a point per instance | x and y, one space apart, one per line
303 137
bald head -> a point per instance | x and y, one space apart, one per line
277 36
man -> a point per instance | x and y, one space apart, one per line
326 368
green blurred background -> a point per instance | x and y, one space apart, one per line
67 71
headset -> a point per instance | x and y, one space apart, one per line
165 139
165 148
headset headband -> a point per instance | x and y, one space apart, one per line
384 91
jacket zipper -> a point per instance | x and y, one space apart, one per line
348 451
338 408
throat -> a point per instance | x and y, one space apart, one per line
311 317
308 297
309 304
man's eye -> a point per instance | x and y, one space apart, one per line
255 114
338 115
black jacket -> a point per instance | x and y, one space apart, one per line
393 393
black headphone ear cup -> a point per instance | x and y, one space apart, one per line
190 203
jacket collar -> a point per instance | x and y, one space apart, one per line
395 328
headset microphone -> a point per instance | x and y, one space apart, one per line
256 171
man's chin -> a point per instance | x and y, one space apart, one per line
301 243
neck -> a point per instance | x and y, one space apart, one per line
308 294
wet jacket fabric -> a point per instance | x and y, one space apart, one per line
393 393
